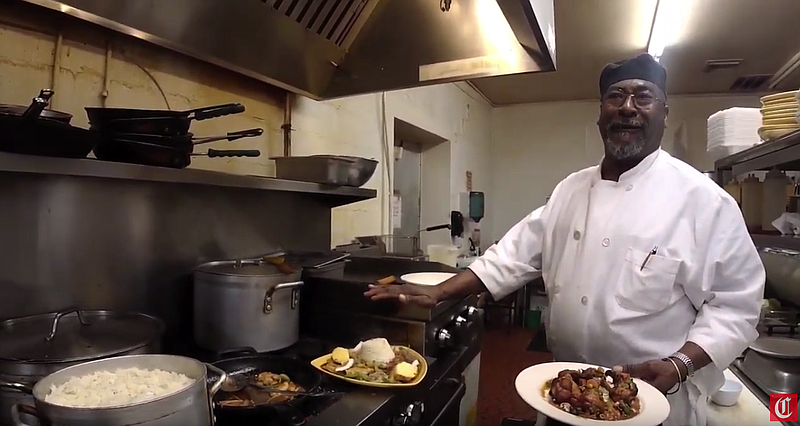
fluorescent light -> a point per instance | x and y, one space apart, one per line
669 22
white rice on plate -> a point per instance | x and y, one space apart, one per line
124 386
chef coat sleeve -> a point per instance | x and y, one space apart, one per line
515 260
729 286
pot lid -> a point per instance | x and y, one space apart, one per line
240 268
777 347
73 335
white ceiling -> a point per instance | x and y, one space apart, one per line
592 33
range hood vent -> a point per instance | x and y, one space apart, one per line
327 49
331 19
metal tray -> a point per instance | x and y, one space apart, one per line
326 169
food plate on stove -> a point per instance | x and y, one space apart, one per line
375 363
586 395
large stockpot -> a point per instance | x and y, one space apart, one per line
35 346
191 406
246 303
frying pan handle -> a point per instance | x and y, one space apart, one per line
17 387
251 133
234 153
230 353
25 409
38 104
223 376
215 111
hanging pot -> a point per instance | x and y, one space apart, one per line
33 347
246 303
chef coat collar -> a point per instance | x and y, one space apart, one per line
633 173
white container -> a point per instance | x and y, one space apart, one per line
442 253
728 394
774 202
752 198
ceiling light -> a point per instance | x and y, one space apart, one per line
668 23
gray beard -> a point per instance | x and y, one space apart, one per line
625 151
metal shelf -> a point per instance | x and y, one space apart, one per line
333 196
783 153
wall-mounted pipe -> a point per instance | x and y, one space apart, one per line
56 68
287 126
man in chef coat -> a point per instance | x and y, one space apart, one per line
647 263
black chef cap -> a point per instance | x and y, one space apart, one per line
642 67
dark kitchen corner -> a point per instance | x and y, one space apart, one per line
504 354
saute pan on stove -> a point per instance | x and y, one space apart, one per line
246 363
154 122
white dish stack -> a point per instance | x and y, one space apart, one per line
732 130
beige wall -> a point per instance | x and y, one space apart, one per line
534 146
346 126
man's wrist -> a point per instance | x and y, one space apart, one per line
682 368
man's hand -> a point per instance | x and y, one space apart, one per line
427 296
661 374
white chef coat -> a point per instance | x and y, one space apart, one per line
704 284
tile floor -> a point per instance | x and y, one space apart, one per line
503 356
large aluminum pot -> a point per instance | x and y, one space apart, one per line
246 303
191 406
35 346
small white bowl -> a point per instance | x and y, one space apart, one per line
728 394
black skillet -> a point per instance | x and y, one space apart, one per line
154 122
186 141
45 95
31 133
133 152
248 363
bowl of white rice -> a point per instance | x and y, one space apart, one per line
134 389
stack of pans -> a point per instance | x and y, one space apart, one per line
35 130
160 138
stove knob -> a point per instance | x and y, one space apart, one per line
444 338
460 322
410 416
474 313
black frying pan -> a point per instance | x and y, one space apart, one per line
44 97
247 362
30 133
154 122
186 141
133 152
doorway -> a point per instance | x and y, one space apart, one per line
421 188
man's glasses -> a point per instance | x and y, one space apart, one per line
641 100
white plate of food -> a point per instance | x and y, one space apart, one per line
427 278
647 408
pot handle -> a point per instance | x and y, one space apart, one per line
22 408
15 386
271 291
62 314
223 376
230 353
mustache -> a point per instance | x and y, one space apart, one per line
627 123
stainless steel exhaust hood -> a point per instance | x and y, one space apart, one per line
333 48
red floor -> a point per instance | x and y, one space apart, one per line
503 356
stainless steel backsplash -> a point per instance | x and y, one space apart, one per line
98 243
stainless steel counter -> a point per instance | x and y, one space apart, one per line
331 196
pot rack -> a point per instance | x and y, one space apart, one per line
782 153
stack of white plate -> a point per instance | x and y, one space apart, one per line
779 115
732 130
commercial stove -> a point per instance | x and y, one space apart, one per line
335 313
434 402
764 375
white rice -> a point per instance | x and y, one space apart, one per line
124 386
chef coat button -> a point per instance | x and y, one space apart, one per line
606 242
576 235
629 187
584 300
